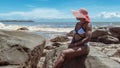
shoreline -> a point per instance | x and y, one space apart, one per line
16 21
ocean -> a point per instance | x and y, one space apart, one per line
49 29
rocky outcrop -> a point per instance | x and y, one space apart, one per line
52 56
95 59
49 47
111 50
115 31
97 33
70 33
60 39
108 35
56 44
108 39
10 66
20 48
23 28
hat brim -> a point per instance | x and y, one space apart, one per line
77 14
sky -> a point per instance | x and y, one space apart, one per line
99 10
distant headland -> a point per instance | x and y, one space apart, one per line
16 21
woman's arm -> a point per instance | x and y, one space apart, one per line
72 42
87 35
73 35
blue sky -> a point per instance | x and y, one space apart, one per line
99 10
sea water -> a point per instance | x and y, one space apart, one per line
49 29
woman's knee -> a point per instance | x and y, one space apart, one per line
64 53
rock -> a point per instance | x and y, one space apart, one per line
97 44
116 59
23 28
70 33
56 44
102 28
45 52
108 39
109 52
20 48
115 31
10 66
60 39
97 33
52 56
95 59
41 62
49 47
105 35
117 53
3 63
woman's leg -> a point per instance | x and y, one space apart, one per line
60 61
69 54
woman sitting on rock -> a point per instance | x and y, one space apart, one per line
79 45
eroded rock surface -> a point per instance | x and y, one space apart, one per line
20 48
60 39
95 59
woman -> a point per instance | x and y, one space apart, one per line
79 45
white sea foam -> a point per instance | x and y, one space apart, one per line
2 25
50 29
34 28
8 27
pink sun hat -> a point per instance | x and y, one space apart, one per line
82 13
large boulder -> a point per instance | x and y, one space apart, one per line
20 48
97 33
107 35
108 39
95 59
60 39
115 31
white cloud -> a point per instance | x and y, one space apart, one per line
38 13
107 15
